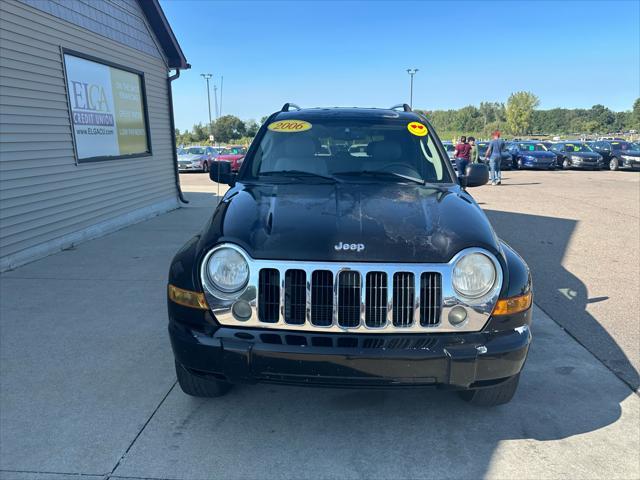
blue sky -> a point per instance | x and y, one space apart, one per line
570 54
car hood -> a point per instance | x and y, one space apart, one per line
230 157
394 223
189 157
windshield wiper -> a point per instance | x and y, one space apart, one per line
379 173
299 173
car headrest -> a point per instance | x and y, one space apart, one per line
299 147
387 150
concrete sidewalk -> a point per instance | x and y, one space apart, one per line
88 387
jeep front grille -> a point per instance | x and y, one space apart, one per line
344 303
349 297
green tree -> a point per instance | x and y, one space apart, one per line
228 128
492 112
603 117
520 107
468 120
200 133
635 115
251 128
186 138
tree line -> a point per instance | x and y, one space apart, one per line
226 129
518 117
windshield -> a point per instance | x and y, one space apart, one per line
621 146
234 151
482 148
532 147
195 151
577 147
449 147
381 149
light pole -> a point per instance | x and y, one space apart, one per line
207 76
411 72
215 100
221 82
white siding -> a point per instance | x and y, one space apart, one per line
44 195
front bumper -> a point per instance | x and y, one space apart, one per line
189 167
630 163
456 360
538 165
586 164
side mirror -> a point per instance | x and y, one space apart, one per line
477 174
220 172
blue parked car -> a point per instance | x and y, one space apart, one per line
532 155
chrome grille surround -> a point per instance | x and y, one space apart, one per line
478 310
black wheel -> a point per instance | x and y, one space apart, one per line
566 164
205 167
520 164
197 386
614 164
492 396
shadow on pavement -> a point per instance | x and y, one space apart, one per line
543 241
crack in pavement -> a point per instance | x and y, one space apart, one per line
111 474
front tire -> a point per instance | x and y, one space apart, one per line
566 164
205 167
520 164
492 396
614 164
198 386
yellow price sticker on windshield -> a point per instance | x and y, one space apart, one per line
417 129
289 126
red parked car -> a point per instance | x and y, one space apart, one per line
234 155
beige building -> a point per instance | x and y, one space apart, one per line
86 121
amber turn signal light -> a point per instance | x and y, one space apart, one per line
508 306
187 298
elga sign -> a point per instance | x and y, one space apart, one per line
107 110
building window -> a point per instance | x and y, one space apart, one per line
107 104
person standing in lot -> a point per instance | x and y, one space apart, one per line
473 155
494 155
462 155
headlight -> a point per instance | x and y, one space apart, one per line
577 158
474 275
628 157
529 157
227 270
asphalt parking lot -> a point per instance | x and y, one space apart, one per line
88 385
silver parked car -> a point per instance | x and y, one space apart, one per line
196 158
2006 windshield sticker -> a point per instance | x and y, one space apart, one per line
289 126
418 129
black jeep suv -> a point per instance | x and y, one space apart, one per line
368 270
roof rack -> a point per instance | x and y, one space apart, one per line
287 106
404 107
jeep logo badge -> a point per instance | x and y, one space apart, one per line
354 247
